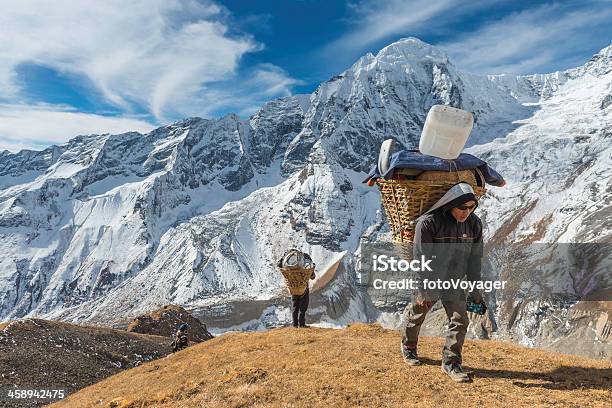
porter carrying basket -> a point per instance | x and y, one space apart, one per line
297 279
297 268
405 200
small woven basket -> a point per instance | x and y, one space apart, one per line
297 279
406 200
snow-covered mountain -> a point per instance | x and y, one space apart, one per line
106 227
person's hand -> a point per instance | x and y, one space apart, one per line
478 308
476 297
425 303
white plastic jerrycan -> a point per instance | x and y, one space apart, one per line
445 131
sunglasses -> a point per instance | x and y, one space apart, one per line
465 207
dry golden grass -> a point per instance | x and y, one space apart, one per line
358 366
3 325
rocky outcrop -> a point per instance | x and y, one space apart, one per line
41 354
166 321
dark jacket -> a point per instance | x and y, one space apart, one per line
456 247
180 340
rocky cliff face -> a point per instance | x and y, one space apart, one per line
558 198
106 227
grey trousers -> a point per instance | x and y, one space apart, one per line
456 311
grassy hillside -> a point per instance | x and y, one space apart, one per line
358 366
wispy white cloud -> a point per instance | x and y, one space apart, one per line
535 40
541 38
375 20
36 127
371 21
153 53
263 83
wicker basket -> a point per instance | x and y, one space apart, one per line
405 200
297 279
449 176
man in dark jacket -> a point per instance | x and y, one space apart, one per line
180 340
300 306
299 302
451 234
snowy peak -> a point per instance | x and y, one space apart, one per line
389 95
412 49
195 150
532 88
600 64
26 165
274 127
409 55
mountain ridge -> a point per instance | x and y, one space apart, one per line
184 213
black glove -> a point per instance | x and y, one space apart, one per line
476 296
479 308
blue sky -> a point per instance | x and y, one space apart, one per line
71 66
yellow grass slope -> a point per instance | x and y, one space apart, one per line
358 366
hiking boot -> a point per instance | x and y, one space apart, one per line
455 372
304 326
410 356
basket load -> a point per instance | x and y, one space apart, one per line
297 269
411 182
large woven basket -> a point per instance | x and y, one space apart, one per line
405 200
297 279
